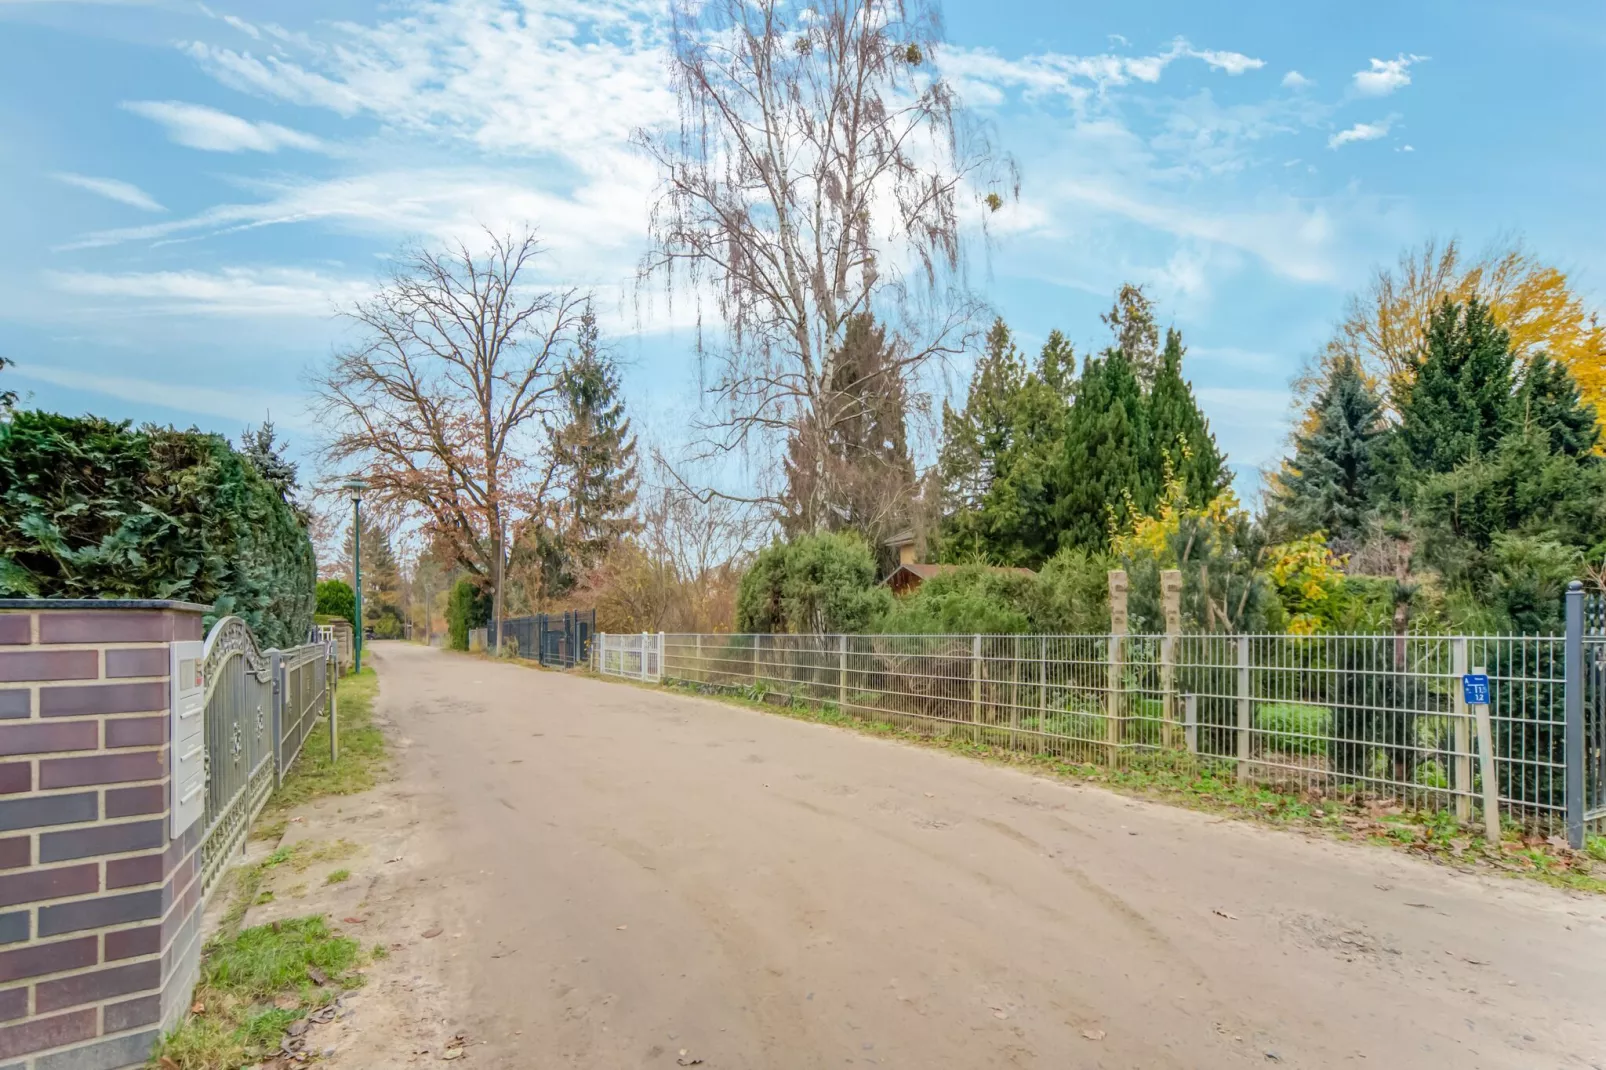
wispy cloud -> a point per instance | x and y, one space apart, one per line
1234 63
274 292
241 406
1295 80
1360 132
112 189
199 127
982 73
1384 76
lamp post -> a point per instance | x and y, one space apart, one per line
355 486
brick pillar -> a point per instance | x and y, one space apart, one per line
99 909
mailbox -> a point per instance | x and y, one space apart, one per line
187 784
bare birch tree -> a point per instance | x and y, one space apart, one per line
441 405
820 172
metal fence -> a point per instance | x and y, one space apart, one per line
1366 718
260 708
556 640
636 657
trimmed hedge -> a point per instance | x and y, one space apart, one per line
91 508
467 608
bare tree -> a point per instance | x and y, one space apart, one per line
441 405
818 174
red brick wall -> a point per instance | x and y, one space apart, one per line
99 910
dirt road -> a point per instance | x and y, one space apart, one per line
625 876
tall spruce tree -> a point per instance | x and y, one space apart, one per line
1549 402
1458 404
1103 475
857 472
1178 431
974 439
1331 484
594 453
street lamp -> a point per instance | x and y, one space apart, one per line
355 486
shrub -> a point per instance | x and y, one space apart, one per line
90 508
466 609
814 584
971 599
336 599
1294 727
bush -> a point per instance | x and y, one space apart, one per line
336 599
1294 727
971 599
813 584
90 508
466 609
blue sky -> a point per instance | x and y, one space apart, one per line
189 191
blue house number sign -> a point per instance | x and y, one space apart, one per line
1475 689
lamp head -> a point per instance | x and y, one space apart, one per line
355 486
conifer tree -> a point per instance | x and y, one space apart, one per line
1458 404
1332 482
1178 431
1103 477
594 453
1549 402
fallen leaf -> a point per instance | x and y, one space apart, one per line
452 1053
621 928
1093 1034
683 1061
295 1029
319 978
198 1008
398 858
1224 914
167 1064
430 934
353 921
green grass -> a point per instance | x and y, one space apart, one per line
1211 784
253 985
1294 727
314 776
339 876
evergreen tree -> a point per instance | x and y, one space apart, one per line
1331 484
974 440
1178 431
594 453
381 578
261 446
1458 404
1103 477
1549 402
854 472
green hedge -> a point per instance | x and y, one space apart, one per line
91 508
467 608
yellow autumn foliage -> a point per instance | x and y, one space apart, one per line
1308 578
1384 325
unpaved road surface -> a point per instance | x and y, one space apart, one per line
626 878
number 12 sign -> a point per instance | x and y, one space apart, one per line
1475 688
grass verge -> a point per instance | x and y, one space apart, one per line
254 985
257 982
315 776
1211 785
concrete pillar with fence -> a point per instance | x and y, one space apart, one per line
100 906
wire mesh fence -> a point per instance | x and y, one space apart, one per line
1378 719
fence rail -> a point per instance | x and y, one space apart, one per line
260 708
1361 717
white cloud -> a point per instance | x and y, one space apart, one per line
229 292
1386 75
982 74
1234 63
243 406
199 127
113 189
243 26
1295 80
1360 132
523 78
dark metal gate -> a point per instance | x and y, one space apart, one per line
556 640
